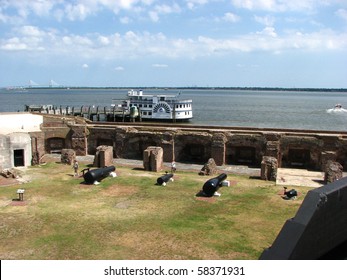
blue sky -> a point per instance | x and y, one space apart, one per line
216 43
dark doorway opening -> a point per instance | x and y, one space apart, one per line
299 158
193 153
18 157
104 142
55 145
242 156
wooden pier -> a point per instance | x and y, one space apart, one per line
93 113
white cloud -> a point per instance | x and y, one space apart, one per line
191 4
125 20
255 4
104 40
268 31
166 9
266 20
78 12
119 68
135 44
230 17
29 30
342 13
157 65
85 66
163 9
280 5
13 44
153 15
28 38
24 8
42 8
268 41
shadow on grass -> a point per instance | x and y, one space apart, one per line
138 169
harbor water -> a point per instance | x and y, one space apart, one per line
217 107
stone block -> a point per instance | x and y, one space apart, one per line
333 172
103 156
269 168
146 161
209 168
153 159
326 157
67 156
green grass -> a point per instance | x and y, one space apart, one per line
129 217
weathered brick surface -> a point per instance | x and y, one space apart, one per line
103 156
269 168
226 146
209 168
333 172
68 156
153 159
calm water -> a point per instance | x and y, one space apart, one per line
271 109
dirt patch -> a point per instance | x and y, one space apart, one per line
162 246
18 203
123 204
119 190
207 199
7 181
233 183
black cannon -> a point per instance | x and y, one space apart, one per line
291 194
212 185
96 175
162 180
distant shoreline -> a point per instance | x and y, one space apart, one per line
187 88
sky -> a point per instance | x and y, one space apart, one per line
174 43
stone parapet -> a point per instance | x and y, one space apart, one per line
194 144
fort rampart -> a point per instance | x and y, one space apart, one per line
194 144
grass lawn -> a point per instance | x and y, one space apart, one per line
129 217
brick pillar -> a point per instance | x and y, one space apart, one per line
37 146
272 149
79 139
327 156
103 156
269 168
153 159
218 148
168 151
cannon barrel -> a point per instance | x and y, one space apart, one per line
291 193
164 179
98 174
213 184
